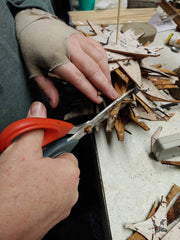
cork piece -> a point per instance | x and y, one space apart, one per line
140 27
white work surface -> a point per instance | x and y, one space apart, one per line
131 179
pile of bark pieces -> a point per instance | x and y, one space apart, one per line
162 222
127 59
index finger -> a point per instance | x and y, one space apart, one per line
93 72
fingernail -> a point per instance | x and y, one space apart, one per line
36 109
99 99
114 94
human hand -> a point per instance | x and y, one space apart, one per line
49 44
88 69
36 192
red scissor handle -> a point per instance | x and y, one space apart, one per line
54 129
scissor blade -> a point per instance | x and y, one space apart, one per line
100 117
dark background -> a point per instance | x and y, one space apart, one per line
88 219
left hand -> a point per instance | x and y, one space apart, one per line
48 44
87 70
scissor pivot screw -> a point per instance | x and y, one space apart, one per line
88 129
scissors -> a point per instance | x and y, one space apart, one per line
59 136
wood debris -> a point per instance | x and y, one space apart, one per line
129 68
156 227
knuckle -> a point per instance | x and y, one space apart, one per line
94 69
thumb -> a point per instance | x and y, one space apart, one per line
31 142
37 109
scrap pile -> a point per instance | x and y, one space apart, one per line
162 222
129 68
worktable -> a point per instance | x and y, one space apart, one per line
131 179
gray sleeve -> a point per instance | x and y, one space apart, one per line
17 5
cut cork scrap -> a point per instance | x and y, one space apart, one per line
114 57
155 226
141 113
132 69
113 66
138 236
174 191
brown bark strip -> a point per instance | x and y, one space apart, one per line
146 107
168 71
153 98
140 123
147 43
174 211
172 193
157 65
122 76
167 86
120 127
121 89
158 81
166 118
174 163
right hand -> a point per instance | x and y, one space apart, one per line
36 192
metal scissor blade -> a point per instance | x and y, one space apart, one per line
100 117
